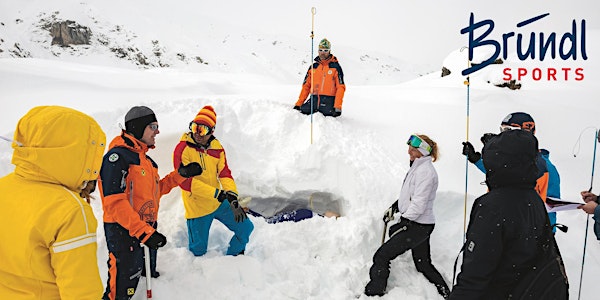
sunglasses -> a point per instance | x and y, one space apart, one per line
153 127
200 129
324 50
417 142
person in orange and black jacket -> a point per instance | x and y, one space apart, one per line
327 94
213 193
131 187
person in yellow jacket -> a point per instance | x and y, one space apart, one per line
48 231
213 193
131 187
324 83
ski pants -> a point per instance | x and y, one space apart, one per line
125 262
405 235
322 104
198 230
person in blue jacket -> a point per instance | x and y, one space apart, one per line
548 183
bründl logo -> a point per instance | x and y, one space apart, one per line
530 46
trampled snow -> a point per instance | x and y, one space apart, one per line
257 56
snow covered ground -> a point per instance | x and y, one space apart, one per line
257 55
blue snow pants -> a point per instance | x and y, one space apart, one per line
198 230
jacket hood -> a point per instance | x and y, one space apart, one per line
510 159
331 58
127 140
58 145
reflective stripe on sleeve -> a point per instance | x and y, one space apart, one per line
74 243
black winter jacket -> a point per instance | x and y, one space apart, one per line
506 224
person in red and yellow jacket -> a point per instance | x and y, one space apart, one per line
131 188
48 232
213 193
327 94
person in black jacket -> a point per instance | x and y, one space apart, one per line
506 223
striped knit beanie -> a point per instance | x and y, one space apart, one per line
206 116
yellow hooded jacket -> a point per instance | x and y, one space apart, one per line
200 192
48 232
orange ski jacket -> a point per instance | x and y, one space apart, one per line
130 186
328 78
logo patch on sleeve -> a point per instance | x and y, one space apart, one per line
471 246
113 157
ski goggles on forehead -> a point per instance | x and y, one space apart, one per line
200 129
417 142
504 128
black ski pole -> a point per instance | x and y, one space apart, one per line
587 220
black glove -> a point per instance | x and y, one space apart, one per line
297 107
155 241
226 195
337 112
486 137
190 170
469 151
388 215
238 212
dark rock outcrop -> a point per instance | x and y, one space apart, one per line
66 33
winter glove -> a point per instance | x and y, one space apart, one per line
190 170
238 212
486 137
226 195
155 241
297 107
337 112
469 151
388 215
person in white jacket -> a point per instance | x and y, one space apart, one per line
416 223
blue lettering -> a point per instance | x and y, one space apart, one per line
474 43
505 42
568 45
583 52
530 50
549 44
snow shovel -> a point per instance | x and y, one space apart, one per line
384 231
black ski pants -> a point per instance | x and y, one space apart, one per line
125 262
405 235
322 104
